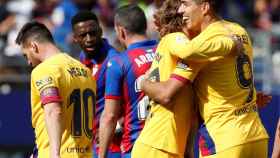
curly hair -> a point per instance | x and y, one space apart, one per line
167 19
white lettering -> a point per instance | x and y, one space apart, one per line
138 62
143 59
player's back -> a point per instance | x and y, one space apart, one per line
77 92
225 90
167 127
130 65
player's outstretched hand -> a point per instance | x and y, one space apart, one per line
263 99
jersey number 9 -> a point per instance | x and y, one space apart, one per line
245 75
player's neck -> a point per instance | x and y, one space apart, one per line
48 50
135 38
209 19
98 55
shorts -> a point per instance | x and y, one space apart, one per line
256 149
141 150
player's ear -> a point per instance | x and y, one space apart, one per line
34 47
122 32
205 7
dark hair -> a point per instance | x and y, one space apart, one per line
132 18
215 4
83 15
36 31
167 19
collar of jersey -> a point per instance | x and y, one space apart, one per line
141 44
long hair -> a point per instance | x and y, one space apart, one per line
167 19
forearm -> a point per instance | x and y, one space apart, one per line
161 92
107 128
155 91
276 148
53 120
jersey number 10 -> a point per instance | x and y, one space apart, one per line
80 118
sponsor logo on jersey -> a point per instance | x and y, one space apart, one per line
44 82
78 149
181 65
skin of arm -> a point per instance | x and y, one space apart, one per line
162 92
276 148
108 122
53 120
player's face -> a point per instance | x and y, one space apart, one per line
30 55
88 35
192 14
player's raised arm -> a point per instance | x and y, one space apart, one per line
183 73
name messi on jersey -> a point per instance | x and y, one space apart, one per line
144 58
77 71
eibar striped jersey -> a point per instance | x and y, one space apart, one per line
121 74
98 73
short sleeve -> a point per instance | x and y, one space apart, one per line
176 43
114 75
186 72
45 83
199 49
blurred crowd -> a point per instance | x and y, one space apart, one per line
56 14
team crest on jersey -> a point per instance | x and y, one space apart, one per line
180 39
109 64
44 82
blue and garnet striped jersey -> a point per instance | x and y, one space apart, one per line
122 71
98 72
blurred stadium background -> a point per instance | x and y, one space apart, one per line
260 17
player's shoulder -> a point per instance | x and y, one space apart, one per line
176 36
112 49
173 40
44 68
117 59
236 26
112 52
